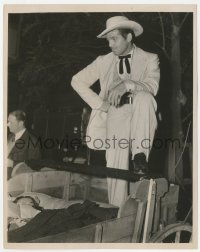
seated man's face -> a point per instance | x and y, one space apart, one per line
13 124
25 201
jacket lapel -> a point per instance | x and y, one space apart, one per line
10 144
107 82
137 64
24 138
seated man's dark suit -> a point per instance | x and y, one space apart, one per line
26 148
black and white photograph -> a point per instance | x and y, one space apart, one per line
100 126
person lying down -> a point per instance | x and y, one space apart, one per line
21 210
28 221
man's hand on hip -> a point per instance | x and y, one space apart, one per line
116 93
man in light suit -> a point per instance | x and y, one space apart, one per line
123 119
22 145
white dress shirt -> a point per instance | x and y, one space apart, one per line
19 134
125 75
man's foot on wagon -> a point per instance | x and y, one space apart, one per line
140 164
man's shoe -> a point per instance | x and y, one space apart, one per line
140 164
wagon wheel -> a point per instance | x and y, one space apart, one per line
173 233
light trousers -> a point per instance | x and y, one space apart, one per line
130 130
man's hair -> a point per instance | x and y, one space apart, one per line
125 32
19 114
35 204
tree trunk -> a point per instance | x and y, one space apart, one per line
177 134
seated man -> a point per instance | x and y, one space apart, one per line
21 144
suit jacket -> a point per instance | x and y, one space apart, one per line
26 148
144 70
54 221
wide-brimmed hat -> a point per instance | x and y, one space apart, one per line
121 22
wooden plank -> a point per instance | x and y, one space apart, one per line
66 187
77 185
28 182
16 185
115 229
139 222
161 189
86 189
156 221
48 179
149 211
164 211
81 235
171 196
162 186
98 233
129 207
139 190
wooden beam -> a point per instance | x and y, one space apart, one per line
93 170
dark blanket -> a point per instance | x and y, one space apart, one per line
49 222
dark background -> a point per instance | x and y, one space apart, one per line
46 49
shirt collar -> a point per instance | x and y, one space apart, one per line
131 52
19 134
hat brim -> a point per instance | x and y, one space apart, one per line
137 28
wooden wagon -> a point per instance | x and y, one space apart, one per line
148 214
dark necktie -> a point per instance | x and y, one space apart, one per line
125 58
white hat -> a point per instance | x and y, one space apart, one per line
121 22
